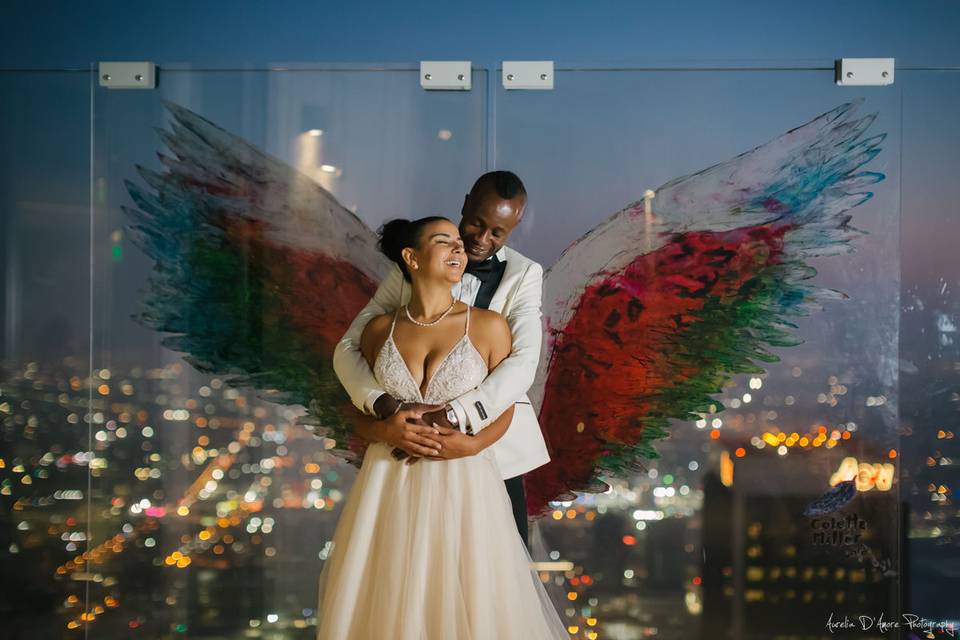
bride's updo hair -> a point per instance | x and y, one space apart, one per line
397 235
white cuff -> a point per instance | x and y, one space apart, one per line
372 397
462 419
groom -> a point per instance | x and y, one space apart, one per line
496 278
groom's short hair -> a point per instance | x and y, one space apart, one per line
505 184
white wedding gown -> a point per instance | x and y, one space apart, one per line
430 551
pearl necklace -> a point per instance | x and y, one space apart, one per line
429 324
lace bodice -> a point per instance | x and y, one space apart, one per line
462 369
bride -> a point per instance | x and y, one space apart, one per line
427 548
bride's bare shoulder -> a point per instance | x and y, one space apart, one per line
489 325
375 333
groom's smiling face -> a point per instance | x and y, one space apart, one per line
488 220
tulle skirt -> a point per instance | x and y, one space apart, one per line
430 551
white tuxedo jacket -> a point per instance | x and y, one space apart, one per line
518 299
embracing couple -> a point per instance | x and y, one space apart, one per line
432 541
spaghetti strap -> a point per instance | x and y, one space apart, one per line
394 323
467 330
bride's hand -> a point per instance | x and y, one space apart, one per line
456 444
404 431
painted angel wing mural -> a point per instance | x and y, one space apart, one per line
651 312
647 315
258 270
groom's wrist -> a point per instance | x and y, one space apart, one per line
385 406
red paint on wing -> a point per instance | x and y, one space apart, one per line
615 353
320 295
326 294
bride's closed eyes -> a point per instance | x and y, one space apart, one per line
441 252
445 239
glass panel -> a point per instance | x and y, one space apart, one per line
203 516
929 344
663 318
44 297
212 508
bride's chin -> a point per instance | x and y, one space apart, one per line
453 277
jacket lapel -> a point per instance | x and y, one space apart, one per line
513 271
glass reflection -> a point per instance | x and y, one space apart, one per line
710 536
209 509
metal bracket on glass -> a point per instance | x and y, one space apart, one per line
528 74
864 72
445 75
128 75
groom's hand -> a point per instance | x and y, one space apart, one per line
437 416
404 430
426 411
387 406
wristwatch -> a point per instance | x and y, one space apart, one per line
452 417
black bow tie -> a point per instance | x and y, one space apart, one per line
484 271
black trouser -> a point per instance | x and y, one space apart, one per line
519 500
